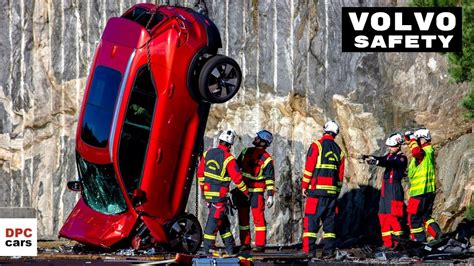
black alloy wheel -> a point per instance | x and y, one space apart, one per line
219 79
185 234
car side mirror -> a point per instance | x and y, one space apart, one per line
74 186
138 197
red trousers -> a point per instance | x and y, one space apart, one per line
257 205
390 225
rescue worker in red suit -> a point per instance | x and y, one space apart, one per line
421 174
259 175
392 195
322 182
215 171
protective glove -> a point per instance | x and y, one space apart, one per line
372 161
304 192
363 157
247 197
269 201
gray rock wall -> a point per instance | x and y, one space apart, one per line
295 79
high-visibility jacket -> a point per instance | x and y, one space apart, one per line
257 170
216 169
421 170
324 168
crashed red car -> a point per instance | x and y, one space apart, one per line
155 73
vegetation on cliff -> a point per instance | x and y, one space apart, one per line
461 65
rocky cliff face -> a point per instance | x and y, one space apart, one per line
295 79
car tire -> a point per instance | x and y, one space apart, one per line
219 79
185 234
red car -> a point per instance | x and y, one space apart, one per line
140 131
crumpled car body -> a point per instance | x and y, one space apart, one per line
141 127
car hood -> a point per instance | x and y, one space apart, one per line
97 229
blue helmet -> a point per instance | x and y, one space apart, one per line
266 136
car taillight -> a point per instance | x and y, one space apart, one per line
182 32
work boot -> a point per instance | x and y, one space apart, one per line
259 249
232 252
244 248
311 254
328 253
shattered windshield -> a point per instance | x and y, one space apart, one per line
101 191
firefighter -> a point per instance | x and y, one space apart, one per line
259 175
421 174
392 195
216 169
322 182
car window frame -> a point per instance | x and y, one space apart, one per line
86 105
130 193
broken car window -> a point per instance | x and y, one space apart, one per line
101 190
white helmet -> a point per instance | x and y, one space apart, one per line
331 127
394 140
228 136
423 133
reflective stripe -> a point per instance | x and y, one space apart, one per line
210 237
325 187
397 233
243 188
241 184
309 234
256 189
260 175
201 180
213 176
253 177
211 193
244 227
430 221
329 153
308 173
215 163
226 235
326 166
270 188
320 149
269 182
388 233
260 228
245 258
306 180
416 230
329 235
267 161
225 165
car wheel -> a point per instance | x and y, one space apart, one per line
185 234
219 79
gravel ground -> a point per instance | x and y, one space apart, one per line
70 252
